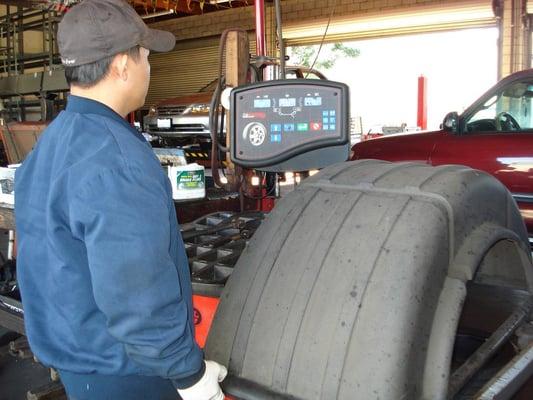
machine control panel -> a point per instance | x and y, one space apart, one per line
275 124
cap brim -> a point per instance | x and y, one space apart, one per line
157 40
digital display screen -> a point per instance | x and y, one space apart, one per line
262 103
313 101
287 102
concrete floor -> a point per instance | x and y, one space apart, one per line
18 376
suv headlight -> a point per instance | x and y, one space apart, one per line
199 108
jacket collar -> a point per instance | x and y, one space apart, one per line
84 105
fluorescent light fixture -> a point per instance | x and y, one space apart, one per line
158 14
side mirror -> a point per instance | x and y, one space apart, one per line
451 122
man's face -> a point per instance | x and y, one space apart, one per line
139 78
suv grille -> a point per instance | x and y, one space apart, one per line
189 128
171 110
181 128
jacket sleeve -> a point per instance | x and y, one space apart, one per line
123 218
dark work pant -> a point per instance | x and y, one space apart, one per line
103 387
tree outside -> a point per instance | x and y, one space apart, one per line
327 55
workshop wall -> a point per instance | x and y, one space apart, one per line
515 37
212 24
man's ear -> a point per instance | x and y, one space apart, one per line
119 66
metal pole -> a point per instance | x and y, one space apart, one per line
510 379
20 39
8 40
422 115
280 38
466 371
50 29
11 245
260 27
43 24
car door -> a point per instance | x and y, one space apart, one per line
497 137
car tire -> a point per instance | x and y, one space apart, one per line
353 286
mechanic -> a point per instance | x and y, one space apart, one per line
102 268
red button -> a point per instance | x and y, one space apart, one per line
316 126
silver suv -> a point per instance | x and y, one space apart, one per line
182 118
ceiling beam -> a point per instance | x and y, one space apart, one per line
23 3
179 6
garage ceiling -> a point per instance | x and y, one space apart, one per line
161 9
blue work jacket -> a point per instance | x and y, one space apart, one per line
101 265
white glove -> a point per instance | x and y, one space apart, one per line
207 388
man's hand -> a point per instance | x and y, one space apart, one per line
207 388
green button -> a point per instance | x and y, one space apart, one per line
302 127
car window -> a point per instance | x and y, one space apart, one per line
509 110
310 75
303 73
291 74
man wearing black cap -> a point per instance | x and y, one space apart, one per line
102 268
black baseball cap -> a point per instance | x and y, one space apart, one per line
96 29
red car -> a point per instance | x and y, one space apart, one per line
495 134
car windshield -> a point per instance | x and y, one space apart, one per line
508 110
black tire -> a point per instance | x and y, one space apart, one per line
353 286
7 336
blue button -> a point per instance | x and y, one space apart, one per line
275 127
325 120
332 127
275 138
288 127
333 120
326 127
325 113
332 112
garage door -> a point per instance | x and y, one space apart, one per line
468 14
187 69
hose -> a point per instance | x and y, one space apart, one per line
323 37
214 116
